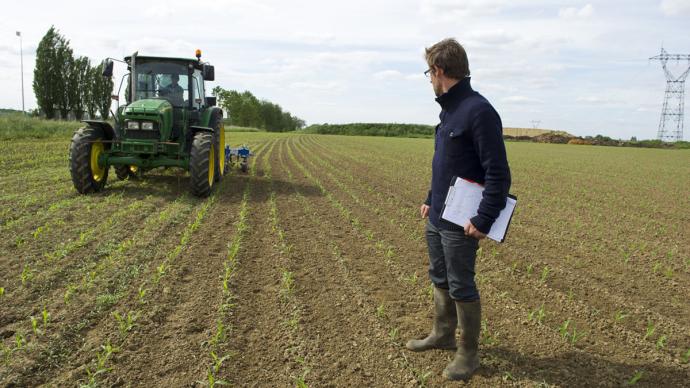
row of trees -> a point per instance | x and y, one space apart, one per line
373 129
64 84
245 110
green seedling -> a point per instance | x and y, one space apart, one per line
300 381
530 267
102 358
219 335
650 330
45 315
218 361
26 275
412 279
381 311
685 357
563 329
656 267
637 376
287 283
620 315
661 342
538 315
293 322
6 353
142 294
67 297
575 336
19 341
668 272
626 257
544 274
2 292
125 323
422 377
507 376
486 337
393 334
34 325
160 271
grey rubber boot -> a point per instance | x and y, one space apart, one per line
442 334
466 359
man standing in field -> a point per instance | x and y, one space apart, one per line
468 144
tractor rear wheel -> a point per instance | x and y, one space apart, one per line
202 163
127 172
88 176
219 142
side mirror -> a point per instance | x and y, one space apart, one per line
208 72
210 101
107 68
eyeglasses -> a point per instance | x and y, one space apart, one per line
428 72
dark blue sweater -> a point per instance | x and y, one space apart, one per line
469 144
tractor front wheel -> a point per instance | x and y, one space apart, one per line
88 176
202 163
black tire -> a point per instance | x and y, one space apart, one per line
85 177
202 163
216 122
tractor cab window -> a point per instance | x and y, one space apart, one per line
163 80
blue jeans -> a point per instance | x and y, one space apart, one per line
452 257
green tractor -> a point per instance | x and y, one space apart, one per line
167 121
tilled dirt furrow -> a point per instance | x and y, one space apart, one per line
264 347
169 348
345 349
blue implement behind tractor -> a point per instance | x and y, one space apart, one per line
241 156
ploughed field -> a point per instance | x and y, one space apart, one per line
311 269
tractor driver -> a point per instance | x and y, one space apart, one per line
174 91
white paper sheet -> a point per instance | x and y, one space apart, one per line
462 204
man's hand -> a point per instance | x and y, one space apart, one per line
471 231
424 211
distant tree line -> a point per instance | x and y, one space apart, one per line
421 130
373 129
245 110
64 84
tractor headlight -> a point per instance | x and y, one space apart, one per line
147 125
132 124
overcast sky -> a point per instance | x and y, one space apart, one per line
579 66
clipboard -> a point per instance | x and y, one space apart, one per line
462 203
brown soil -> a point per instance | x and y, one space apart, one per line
329 282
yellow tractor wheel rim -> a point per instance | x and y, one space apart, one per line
133 169
211 166
97 171
222 150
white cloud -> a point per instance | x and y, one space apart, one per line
388 75
573 12
595 100
675 7
521 100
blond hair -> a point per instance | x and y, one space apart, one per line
450 56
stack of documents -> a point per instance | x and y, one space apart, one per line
462 204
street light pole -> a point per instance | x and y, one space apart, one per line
21 59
